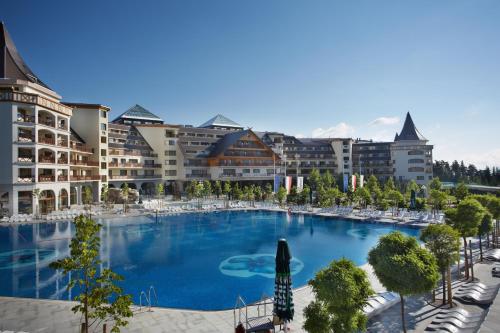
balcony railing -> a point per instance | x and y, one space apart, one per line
46 160
25 119
197 176
134 177
25 138
35 99
47 122
245 175
62 161
26 159
62 178
125 152
80 178
87 163
48 141
25 179
80 148
46 178
62 144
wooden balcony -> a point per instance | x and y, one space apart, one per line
46 178
85 178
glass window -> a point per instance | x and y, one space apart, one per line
103 127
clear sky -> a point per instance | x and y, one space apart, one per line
307 68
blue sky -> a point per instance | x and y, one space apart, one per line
308 68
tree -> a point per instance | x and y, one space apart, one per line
160 190
363 196
389 185
465 218
36 193
395 197
105 193
87 196
258 193
314 179
237 193
124 193
327 179
342 290
218 188
100 297
403 266
207 188
305 194
435 184
191 188
485 228
372 184
437 200
227 189
269 191
461 192
281 195
293 196
444 243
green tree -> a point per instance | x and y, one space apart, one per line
435 184
363 196
389 185
314 179
444 243
160 190
293 196
372 184
227 189
485 228
100 296
342 290
281 195
191 188
437 199
327 180
461 192
305 194
269 191
105 193
237 192
218 188
258 193
466 218
207 188
395 197
125 192
87 197
403 266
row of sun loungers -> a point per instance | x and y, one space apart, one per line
476 293
339 210
379 303
17 218
493 255
456 320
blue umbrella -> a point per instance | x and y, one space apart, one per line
283 297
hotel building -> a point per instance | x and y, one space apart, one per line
56 151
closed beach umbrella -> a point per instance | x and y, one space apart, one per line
283 298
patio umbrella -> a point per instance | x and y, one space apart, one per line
283 298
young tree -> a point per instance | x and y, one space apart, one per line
444 243
105 193
437 199
327 180
363 196
484 229
227 189
87 197
258 193
218 188
341 290
435 184
314 179
191 188
293 196
281 195
372 184
403 266
305 194
100 297
461 192
389 185
125 192
237 193
269 191
466 218
207 188
395 197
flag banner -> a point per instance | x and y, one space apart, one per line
288 184
346 183
300 183
277 181
361 181
353 183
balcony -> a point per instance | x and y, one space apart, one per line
35 99
84 178
47 122
246 175
131 152
62 178
84 163
62 161
26 159
47 141
25 179
25 138
25 119
48 160
118 177
80 148
46 178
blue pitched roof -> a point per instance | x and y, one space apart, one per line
220 121
138 112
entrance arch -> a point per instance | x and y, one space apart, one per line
63 199
47 201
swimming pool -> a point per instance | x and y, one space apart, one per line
194 261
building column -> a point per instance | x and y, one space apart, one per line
78 194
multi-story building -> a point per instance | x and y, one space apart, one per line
56 150
411 155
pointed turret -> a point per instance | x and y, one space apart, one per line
409 131
12 66
220 121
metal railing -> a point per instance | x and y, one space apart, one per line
148 299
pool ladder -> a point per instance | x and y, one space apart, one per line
148 298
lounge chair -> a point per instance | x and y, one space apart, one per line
475 297
445 327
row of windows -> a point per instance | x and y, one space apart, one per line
170 153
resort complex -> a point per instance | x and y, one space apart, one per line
132 223
59 149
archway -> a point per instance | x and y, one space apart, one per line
148 188
72 195
47 201
63 199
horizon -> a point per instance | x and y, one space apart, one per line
188 61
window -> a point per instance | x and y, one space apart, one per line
171 173
103 114
133 172
256 170
123 172
171 142
103 127
103 165
420 177
416 169
246 170
346 166
415 160
172 162
346 158
103 139
103 152
345 151
415 152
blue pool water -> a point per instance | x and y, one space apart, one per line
195 261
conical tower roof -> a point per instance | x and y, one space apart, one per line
12 66
220 121
409 131
139 113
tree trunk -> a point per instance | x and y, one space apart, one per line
480 248
458 266
403 312
443 277
466 262
471 260
450 296
487 240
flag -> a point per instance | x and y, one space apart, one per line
288 184
353 182
346 182
300 183
361 181
277 182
